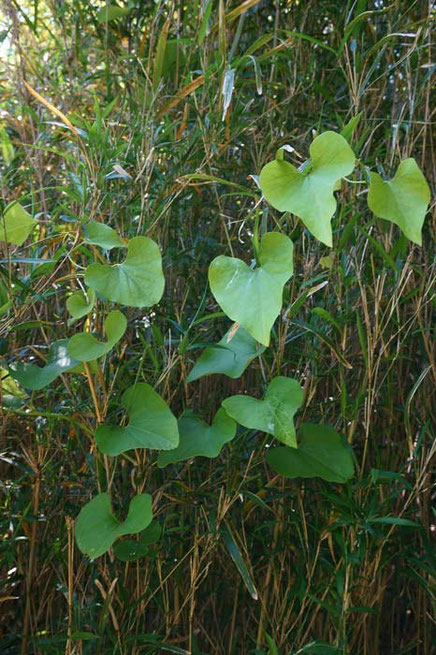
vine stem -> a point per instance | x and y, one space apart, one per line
99 418
70 530
93 392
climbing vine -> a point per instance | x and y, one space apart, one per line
250 293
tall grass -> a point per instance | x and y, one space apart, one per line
247 562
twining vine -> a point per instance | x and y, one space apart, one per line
251 295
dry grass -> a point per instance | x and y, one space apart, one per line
322 570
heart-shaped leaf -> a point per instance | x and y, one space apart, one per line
137 282
151 424
402 200
253 297
321 452
309 193
129 550
97 528
35 377
273 415
230 358
102 235
85 347
16 224
151 534
198 439
79 304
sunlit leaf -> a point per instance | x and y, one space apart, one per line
253 297
273 415
5 301
111 12
349 129
11 393
97 528
102 235
137 282
231 358
151 424
85 347
34 377
79 304
16 224
198 439
6 146
321 452
402 200
309 193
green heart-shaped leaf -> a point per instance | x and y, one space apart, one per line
309 193
402 200
79 304
85 347
253 297
321 452
16 224
97 528
137 282
102 235
231 358
273 415
151 424
35 377
198 439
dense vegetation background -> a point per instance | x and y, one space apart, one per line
247 562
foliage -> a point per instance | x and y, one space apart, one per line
308 192
155 184
253 297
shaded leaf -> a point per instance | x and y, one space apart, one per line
198 439
253 297
34 377
231 359
273 415
129 550
321 452
394 520
151 424
151 534
236 556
